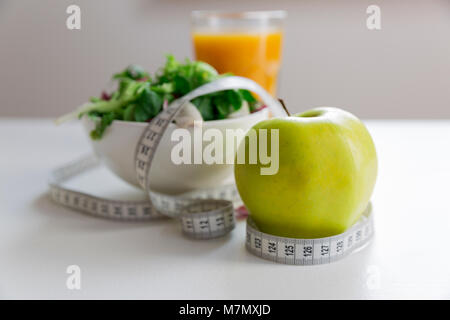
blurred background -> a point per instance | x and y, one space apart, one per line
329 55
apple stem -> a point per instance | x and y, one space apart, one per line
284 107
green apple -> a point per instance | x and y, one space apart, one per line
327 172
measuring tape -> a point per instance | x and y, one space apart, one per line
204 214
310 251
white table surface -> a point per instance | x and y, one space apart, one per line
408 258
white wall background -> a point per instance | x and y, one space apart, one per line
330 58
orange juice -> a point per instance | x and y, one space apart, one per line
253 55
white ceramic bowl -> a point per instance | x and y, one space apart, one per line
117 147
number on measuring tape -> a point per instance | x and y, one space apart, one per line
307 250
257 243
288 250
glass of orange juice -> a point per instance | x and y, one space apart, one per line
246 44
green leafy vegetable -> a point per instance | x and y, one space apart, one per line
140 97
106 119
205 107
133 72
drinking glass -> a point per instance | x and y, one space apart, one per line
247 44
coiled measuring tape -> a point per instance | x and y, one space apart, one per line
204 214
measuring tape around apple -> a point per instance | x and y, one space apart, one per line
205 214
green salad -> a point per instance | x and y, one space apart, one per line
140 96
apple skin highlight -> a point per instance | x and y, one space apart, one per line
327 173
